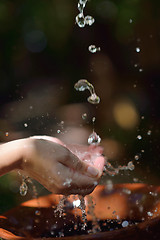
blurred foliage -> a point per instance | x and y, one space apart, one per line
43 53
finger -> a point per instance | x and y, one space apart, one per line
73 162
66 177
99 163
48 138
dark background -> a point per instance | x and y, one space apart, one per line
43 53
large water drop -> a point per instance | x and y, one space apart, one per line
80 20
94 139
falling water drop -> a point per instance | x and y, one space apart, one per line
80 7
139 137
94 139
93 99
37 212
93 119
94 49
23 189
82 85
89 20
125 224
83 1
136 157
131 166
80 20
138 49
84 116
149 132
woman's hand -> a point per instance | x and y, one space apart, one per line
62 169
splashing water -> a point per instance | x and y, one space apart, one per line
83 85
82 20
60 207
82 206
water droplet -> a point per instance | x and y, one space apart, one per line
149 132
135 65
67 183
82 85
130 20
140 70
150 214
139 137
94 49
84 116
135 179
58 131
94 139
89 20
25 124
93 119
23 189
37 212
138 49
136 157
80 20
142 117
131 166
125 224
93 99
81 6
83 1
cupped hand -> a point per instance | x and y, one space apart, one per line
63 169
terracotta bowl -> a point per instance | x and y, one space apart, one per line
123 211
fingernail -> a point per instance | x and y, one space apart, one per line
93 172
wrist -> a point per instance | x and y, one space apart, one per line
11 155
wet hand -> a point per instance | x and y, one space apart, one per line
62 169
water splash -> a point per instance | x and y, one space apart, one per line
60 207
82 206
83 85
112 171
82 20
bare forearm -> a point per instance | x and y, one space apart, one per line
11 155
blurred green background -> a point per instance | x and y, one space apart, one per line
43 53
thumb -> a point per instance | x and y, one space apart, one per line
73 162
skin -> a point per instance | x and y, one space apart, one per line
60 168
